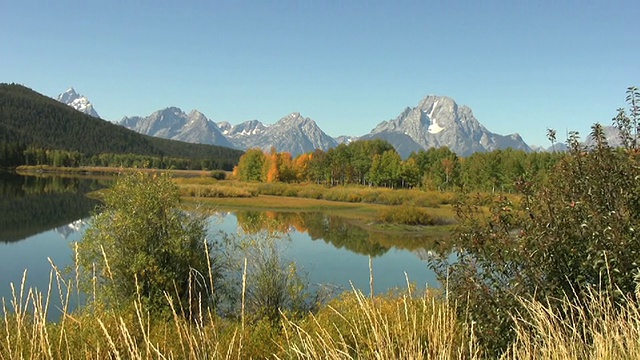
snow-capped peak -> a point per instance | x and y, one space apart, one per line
78 102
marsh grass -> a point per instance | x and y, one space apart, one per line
200 187
598 328
393 326
217 191
399 325
410 215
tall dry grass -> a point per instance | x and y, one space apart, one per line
400 325
598 328
385 327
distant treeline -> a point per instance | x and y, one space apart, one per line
13 155
377 163
38 130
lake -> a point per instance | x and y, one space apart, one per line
42 216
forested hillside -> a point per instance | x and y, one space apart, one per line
32 124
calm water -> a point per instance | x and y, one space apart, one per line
42 217
330 250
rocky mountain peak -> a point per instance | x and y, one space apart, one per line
170 111
78 102
197 116
296 119
68 96
173 123
439 121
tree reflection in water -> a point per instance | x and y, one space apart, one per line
32 204
338 231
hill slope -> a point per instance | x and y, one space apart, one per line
32 119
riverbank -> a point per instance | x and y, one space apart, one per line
380 209
102 170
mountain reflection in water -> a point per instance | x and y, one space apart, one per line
332 250
30 205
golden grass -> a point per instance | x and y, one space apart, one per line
386 327
349 193
596 329
399 325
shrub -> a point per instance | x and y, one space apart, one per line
273 188
219 175
141 244
390 198
564 238
273 286
407 215
311 192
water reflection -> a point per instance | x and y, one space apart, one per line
30 205
44 213
334 250
338 231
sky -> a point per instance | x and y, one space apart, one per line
521 66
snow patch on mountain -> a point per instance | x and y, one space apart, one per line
438 121
78 102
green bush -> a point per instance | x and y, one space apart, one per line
273 286
407 215
142 245
219 175
575 233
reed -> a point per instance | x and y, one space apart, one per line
597 328
403 324
396 326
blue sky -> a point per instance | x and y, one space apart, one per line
521 66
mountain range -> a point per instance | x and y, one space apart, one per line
434 122
172 123
34 122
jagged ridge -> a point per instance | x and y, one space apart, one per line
78 102
436 121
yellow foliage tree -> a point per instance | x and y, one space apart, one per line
301 166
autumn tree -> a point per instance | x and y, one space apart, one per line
301 166
270 171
